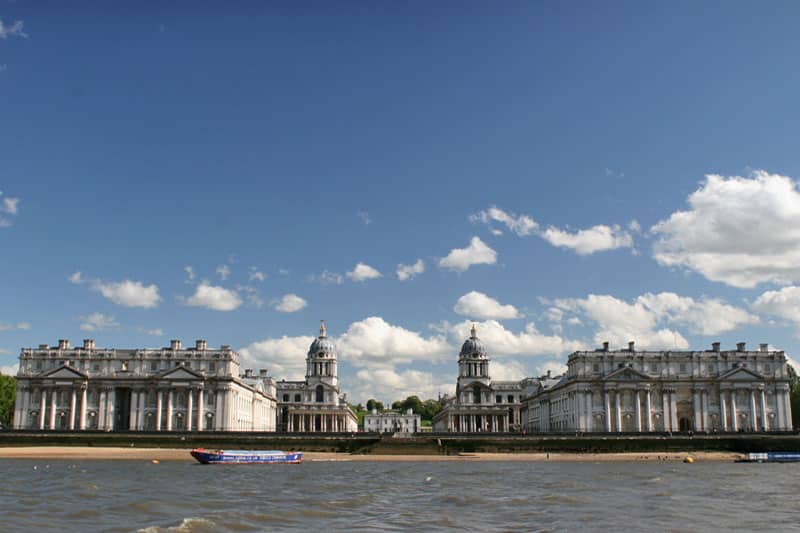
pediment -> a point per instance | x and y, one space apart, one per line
741 374
64 372
478 384
180 373
626 374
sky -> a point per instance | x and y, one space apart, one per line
562 174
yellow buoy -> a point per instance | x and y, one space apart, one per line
154 461
688 459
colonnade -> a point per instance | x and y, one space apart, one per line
307 422
473 423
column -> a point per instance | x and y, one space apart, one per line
787 413
673 409
42 407
133 410
649 419
764 426
101 409
72 404
618 410
638 410
189 398
200 406
723 411
589 411
706 417
52 421
753 411
170 399
734 414
84 398
140 420
608 411
22 421
665 422
159 407
218 409
110 400
18 406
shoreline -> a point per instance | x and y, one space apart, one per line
182 454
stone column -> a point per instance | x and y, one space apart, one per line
608 411
189 406
200 408
101 408
788 412
18 406
638 410
589 411
170 399
706 417
764 426
723 411
26 406
52 422
648 410
696 409
42 406
665 421
618 410
133 409
72 405
753 411
84 398
734 414
673 409
159 408
140 419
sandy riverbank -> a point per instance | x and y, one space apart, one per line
173 454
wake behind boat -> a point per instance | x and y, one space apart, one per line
210 457
771 457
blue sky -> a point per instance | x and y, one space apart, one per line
563 149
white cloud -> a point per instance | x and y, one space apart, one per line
223 272
251 295
364 216
783 303
327 278
10 370
373 340
643 320
77 278
290 303
363 272
389 384
508 370
190 275
521 225
502 342
588 241
476 304
739 231
285 357
156 332
406 272
10 206
214 298
15 30
98 322
129 293
477 253
556 368
20 325
257 275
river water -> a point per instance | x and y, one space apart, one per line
68 495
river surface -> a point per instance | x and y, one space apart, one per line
68 495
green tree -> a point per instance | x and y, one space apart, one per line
8 393
426 409
374 404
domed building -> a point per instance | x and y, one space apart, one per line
315 404
480 404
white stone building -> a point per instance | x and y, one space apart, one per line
480 404
167 389
315 404
393 422
666 391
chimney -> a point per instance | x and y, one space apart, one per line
715 346
174 345
605 346
43 346
248 372
763 347
262 372
740 346
63 344
548 373
200 344
88 344
630 346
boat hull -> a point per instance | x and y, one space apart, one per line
234 457
771 457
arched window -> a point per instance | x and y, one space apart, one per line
320 393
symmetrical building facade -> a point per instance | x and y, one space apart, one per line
666 391
315 404
169 389
393 422
480 404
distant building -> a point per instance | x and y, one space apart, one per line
480 404
392 422
166 389
315 404
641 391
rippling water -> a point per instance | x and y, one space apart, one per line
426 496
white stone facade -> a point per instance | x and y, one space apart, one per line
168 389
315 404
664 391
392 422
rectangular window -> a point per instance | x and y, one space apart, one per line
153 366
510 398
682 367
767 368
595 368
654 367
498 399
212 367
38 365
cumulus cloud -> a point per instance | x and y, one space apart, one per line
223 272
644 320
290 303
407 272
507 370
190 275
783 303
257 275
375 340
76 278
477 253
284 357
476 304
737 230
214 298
9 370
504 342
98 322
389 384
588 241
128 293
19 325
521 225
8 206
363 272
15 30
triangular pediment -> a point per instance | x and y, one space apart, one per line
64 372
626 374
741 374
478 384
180 373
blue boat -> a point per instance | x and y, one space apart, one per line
214 457
771 457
